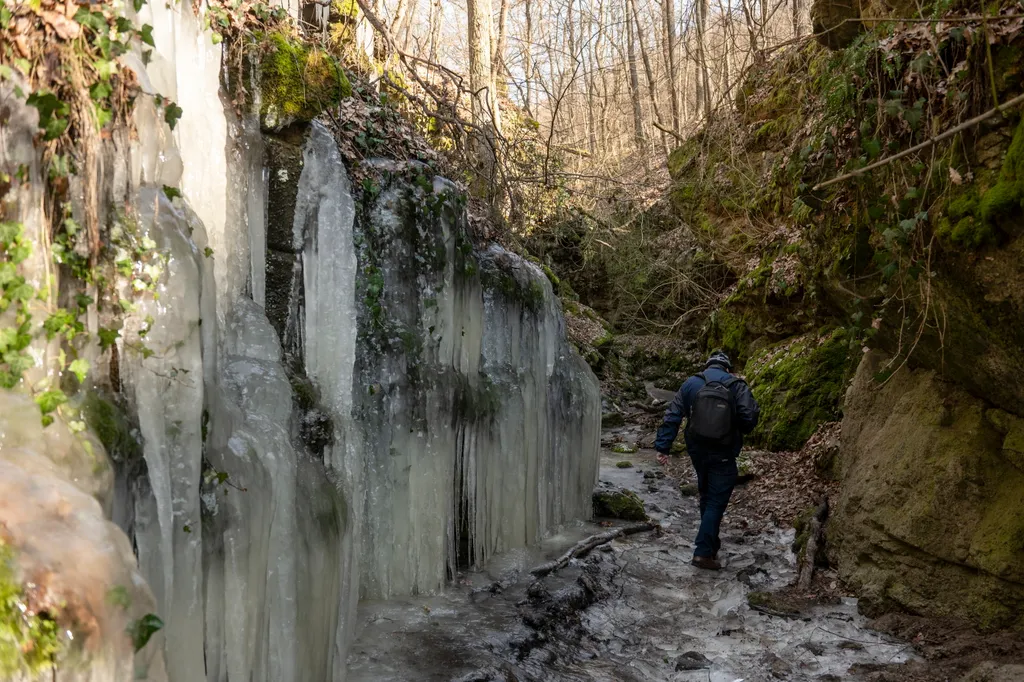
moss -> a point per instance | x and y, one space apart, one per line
29 642
728 332
611 420
623 449
1005 201
619 504
112 426
624 464
689 490
298 82
682 156
495 279
799 384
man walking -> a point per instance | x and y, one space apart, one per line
719 409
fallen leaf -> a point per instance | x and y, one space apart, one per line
955 177
66 28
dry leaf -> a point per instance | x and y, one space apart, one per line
955 177
66 28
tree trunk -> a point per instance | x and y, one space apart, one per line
669 20
748 19
528 57
727 51
498 58
704 87
798 7
483 100
634 83
651 87
435 29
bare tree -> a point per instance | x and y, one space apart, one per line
669 27
634 80
483 99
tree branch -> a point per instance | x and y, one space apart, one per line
930 142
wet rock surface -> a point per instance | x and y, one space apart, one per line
633 609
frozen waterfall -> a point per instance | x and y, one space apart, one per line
338 396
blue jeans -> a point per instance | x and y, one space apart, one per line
716 477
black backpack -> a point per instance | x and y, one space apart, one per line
711 415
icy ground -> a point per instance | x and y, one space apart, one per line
634 611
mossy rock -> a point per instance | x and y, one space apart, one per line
624 464
29 644
619 504
297 82
610 420
689 490
624 449
836 23
1003 204
799 385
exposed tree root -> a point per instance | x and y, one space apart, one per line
814 537
583 547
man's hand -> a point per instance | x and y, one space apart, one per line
662 459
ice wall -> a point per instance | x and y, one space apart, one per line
464 423
239 530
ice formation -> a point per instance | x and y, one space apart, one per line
347 402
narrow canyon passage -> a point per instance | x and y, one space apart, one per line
634 609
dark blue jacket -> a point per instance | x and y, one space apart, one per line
747 414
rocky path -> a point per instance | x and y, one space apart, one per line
633 610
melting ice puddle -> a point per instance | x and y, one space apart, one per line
659 608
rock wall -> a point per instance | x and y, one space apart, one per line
928 517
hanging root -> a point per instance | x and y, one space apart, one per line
815 535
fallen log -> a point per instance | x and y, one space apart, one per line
815 531
584 547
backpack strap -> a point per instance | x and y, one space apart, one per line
725 382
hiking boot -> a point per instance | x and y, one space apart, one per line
706 562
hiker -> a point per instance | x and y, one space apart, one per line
719 410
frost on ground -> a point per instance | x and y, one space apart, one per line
632 610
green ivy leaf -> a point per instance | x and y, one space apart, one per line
80 368
172 112
146 35
49 401
53 113
108 337
100 90
103 117
105 68
171 193
208 252
138 4
144 628
93 20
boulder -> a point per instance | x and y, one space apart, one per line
618 503
928 518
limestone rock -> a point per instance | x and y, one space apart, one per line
836 23
619 503
928 518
